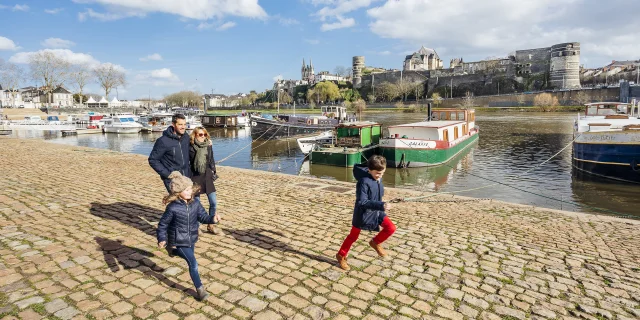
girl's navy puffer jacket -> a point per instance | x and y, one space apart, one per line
180 221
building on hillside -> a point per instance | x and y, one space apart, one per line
10 98
326 76
214 100
423 59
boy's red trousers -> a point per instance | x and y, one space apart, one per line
388 228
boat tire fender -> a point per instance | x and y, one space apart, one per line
634 166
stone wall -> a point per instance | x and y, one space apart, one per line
566 98
532 61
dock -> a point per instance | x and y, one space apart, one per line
77 234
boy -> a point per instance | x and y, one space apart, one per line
369 211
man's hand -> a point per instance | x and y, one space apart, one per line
162 244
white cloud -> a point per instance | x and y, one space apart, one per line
193 9
7 44
312 41
53 11
66 54
205 25
341 7
497 27
20 7
342 23
287 21
332 14
164 73
152 57
109 16
226 25
57 43
160 78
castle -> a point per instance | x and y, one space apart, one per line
557 66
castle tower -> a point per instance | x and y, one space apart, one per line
357 65
564 67
303 71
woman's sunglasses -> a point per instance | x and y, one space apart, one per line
202 134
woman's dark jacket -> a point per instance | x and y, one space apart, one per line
205 181
180 221
368 212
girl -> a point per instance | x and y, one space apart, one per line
203 167
179 225
369 210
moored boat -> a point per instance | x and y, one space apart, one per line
431 142
307 144
121 124
354 143
607 141
290 126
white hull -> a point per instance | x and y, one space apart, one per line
307 145
45 127
121 130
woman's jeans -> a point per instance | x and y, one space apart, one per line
187 253
213 202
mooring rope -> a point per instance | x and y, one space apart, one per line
249 144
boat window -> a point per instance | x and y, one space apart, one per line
592 110
453 116
455 133
461 115
445 134
443 116
434 116
464 129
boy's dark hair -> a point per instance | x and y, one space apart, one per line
377 162
177 116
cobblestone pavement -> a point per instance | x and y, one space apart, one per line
77 241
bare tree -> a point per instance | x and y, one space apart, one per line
437 99
80 77
340 71
582 98
11 76
51 69
468 101
109 76
360 106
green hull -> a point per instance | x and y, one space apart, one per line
338 157
412 158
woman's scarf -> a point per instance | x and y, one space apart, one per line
200 161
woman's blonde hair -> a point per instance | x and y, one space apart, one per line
195 131
175 196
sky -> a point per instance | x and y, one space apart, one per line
232 46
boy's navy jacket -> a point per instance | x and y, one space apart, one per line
368 212
180 221
171 153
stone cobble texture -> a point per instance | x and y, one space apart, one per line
77 241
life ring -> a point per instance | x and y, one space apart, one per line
634 165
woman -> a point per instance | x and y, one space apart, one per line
203 167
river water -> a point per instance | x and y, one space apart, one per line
499 166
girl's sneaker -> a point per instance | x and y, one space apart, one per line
202 293
342 261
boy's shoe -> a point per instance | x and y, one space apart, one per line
342 261
202 293
378 248
170 251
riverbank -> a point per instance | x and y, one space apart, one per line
78 241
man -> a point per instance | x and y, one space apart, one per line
171 151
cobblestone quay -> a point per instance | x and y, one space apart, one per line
77 241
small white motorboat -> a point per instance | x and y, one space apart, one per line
307 144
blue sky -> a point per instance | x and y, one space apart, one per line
231 46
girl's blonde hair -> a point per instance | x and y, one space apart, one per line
195 131
175 196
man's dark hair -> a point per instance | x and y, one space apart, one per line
177 116
377 162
